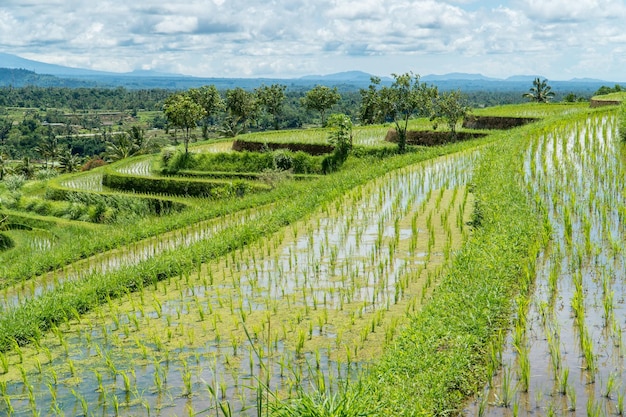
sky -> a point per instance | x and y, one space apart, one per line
557 39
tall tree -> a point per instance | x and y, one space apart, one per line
48 148
540 92
321 98
210 100
4 166
5 128
68 161
368 112
272 99
450 107
406 97
242 107
183 112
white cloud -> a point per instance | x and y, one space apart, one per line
176 24
295 37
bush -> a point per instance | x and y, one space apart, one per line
175 160
282 161
94 162
246 162
5 242
179 186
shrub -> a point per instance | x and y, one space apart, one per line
94 162
5 242
282 160
179 186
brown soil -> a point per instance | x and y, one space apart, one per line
600 103
495 122
310 148
431 138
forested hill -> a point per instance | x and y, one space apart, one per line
350 81
17 77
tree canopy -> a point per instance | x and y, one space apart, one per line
321 98
406 97
184 113
540 92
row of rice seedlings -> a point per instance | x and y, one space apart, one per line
573 165
131 254
86 182
142 167
280 290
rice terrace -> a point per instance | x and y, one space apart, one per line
431 259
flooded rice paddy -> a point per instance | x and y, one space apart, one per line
311 304
565 354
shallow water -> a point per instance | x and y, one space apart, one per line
565 355
310 305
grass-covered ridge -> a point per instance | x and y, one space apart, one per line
619 96
36 316
444 355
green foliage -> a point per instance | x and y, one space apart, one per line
608 90
350 401
404 99
241 108
272 99
282 160
183 112
179 186
321 98
14 182
210 100
621 122
540 92
340 134
450 107
242 162
84 206
6 242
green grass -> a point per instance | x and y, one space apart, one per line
620 96
36 316
441 358
539 110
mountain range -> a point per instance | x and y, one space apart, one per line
20 71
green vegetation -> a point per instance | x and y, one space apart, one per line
365 279
540 92
615 96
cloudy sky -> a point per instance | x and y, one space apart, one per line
558 39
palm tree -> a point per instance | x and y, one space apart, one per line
68 161
4 166
540 91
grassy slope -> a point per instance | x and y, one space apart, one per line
621 96
442 358
27 322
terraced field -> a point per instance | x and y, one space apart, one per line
386 281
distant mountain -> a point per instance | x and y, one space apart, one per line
16 62
16 71
523 78
346 76
454 76
586 80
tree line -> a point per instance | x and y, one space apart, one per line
65 121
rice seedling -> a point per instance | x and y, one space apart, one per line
620 404
610 386
507 388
